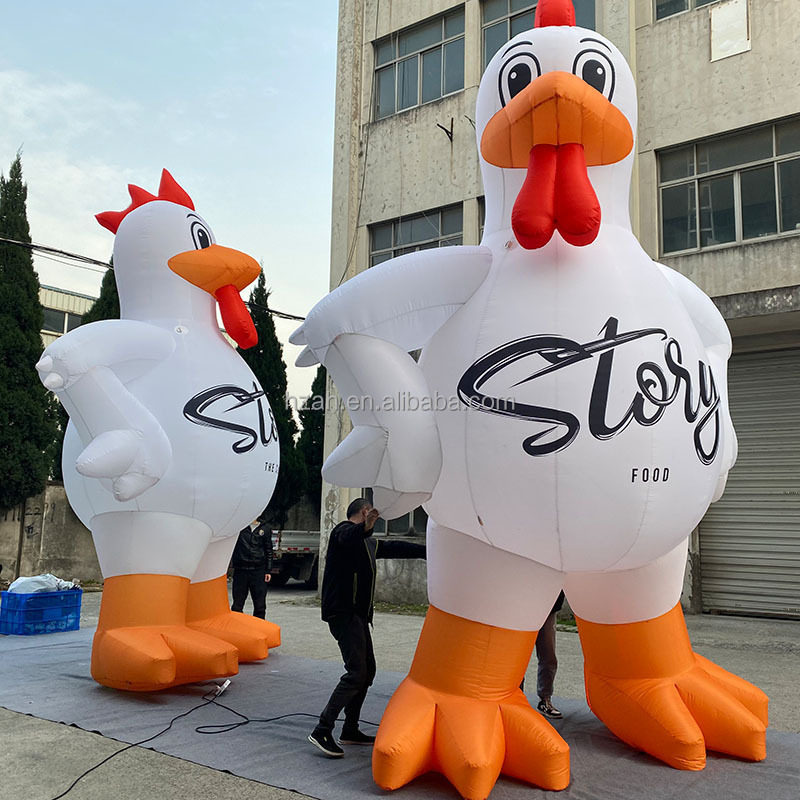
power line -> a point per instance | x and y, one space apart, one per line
50 253
43 249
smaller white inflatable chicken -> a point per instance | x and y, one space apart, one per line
171 447
566 427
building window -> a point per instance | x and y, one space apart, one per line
438 228
421 64
59 322
504 19
667 8
731 189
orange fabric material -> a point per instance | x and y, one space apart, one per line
470 658
213 267
557 108
655 648
208 611
645 683
222 272
142 642
460 712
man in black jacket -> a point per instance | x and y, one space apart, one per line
348 586
252 562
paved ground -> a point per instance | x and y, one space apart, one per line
764 651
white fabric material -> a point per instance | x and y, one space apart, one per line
149 542
384 302
585 425
167 422
474 580
395 444
631 595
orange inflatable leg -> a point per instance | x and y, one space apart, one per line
208 612
460 712
645 683
142 643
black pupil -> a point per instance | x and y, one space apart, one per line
594 73
518 79
202 239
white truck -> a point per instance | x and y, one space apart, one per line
295 555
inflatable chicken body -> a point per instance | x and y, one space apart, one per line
566 427
171 447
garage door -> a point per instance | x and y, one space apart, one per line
750 539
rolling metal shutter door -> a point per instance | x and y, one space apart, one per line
750 539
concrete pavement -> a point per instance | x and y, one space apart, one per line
42 758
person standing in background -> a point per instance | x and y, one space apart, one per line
252 562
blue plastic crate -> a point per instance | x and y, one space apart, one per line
42 612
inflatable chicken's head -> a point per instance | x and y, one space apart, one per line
556 116
168 265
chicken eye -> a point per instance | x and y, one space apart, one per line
201 236
597 70
517 73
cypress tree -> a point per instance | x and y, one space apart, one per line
310 443
27 412
107 304
266 361
105 307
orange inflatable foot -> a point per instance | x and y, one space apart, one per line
648 687
208 612
142 643
460 712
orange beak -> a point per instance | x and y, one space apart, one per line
557 108
223 273
557 126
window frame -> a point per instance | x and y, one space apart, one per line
735 171
507 18
418 55
398 248
691 5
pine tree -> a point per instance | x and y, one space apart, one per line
27 412
310 443
105 307
266 361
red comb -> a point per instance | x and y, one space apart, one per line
554 12
168 190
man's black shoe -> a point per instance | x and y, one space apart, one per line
548 709
324 741
355 737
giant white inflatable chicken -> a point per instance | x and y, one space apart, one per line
566 427
171 447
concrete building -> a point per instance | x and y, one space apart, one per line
62 311
716 195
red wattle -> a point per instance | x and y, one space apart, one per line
235 317
577 207
533 216
556 195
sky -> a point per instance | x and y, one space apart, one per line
235 99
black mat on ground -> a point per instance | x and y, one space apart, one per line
48 677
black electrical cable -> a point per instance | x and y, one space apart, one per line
210 698
51 252
206 701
